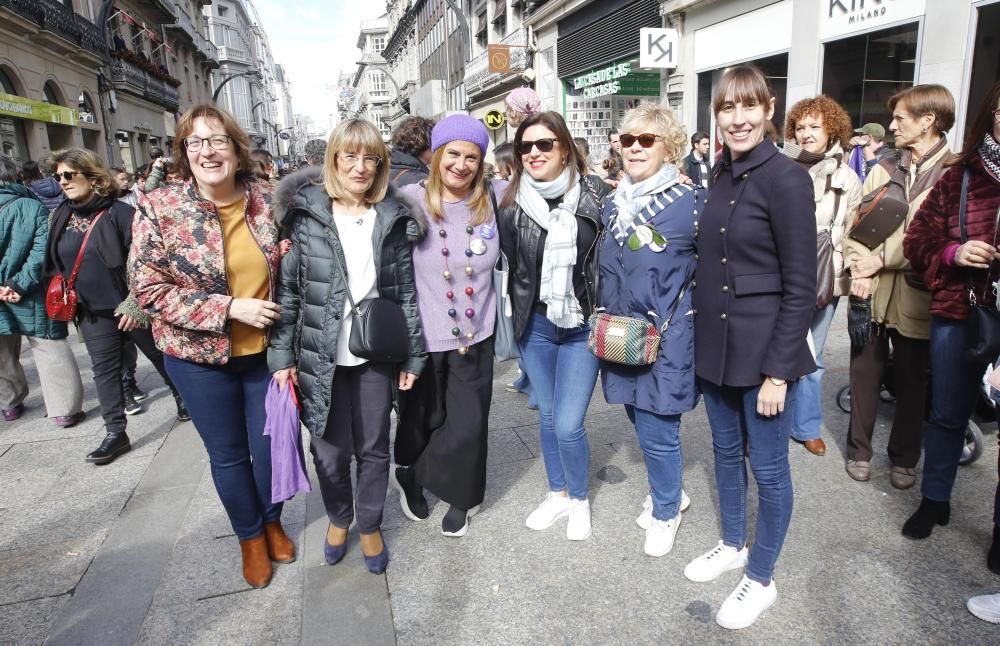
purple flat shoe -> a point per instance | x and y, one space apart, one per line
66 421
13 413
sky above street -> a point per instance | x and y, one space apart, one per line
316 40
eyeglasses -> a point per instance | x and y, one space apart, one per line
543 145
217 142
68 175
646 140
370 161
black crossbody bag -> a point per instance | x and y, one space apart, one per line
983 324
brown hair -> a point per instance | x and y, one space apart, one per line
836 122
479 199
981 124
90 166
927 99
744 84
362 138
554 122
412 136
238 138
660 120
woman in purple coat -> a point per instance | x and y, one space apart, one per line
647 263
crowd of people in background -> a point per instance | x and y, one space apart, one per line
228 272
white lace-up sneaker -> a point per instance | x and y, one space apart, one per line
645 519
660 536
552 509
986 607
746 603
715 561
578 528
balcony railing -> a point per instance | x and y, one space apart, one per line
129 78
477 71
233 54
55 17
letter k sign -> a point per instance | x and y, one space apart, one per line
658 47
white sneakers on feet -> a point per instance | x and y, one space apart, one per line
660 536
746 603
645 519
578 528
986 607
710 565
552 509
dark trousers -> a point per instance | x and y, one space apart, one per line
955 384
910 362
104 343
443 424
358 426
130 357
227 407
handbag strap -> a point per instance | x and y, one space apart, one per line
343 268
673 309
83 246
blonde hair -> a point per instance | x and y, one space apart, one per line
362 138
479 199
90 166
659 120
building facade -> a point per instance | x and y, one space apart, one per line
400 55
442 52
50 58
372 86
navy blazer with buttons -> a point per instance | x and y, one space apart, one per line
756 273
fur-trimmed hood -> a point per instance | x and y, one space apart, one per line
303 192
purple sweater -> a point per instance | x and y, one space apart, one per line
432 288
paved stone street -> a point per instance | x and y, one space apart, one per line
141 551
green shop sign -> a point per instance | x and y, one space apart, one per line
617 78
18 106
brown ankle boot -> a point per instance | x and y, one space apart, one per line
256 564
280 548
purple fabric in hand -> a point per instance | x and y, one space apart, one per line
857 161
288 463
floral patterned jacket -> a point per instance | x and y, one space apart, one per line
177 267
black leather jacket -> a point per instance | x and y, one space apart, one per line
523 241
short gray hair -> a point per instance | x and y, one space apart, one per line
315 151
8 170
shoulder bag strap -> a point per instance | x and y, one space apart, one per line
83 246
963 234
673 310
493 201
399 174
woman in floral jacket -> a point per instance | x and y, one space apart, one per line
204 258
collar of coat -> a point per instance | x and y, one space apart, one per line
303 193
764 151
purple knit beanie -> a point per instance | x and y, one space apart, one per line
460 127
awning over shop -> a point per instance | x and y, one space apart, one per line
18 106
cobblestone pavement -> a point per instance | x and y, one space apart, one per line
140 551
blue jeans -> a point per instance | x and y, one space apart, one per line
809 395
732 413
659 437
227 407
955 384
563 373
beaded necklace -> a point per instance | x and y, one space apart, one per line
463 345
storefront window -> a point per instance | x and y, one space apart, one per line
775 68
597 100
12 137
863 72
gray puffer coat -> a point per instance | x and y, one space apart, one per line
312 290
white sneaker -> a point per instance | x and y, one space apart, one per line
746 603
660 536
552 509
714 562
578 528
645 519
986 607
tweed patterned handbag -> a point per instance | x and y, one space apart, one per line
627 340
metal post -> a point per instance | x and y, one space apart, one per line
218 90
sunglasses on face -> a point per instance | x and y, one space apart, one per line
68 175
646 140
543 145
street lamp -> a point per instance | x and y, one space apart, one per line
218 90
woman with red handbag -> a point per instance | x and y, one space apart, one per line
87 252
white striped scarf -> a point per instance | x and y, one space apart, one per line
622 229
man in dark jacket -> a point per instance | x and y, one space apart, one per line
411 151
698 163
45 189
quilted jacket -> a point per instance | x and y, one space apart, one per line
24 234
312 289
935 228
178 267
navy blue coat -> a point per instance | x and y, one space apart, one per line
635 283
756 273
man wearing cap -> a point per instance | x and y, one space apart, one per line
871 137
